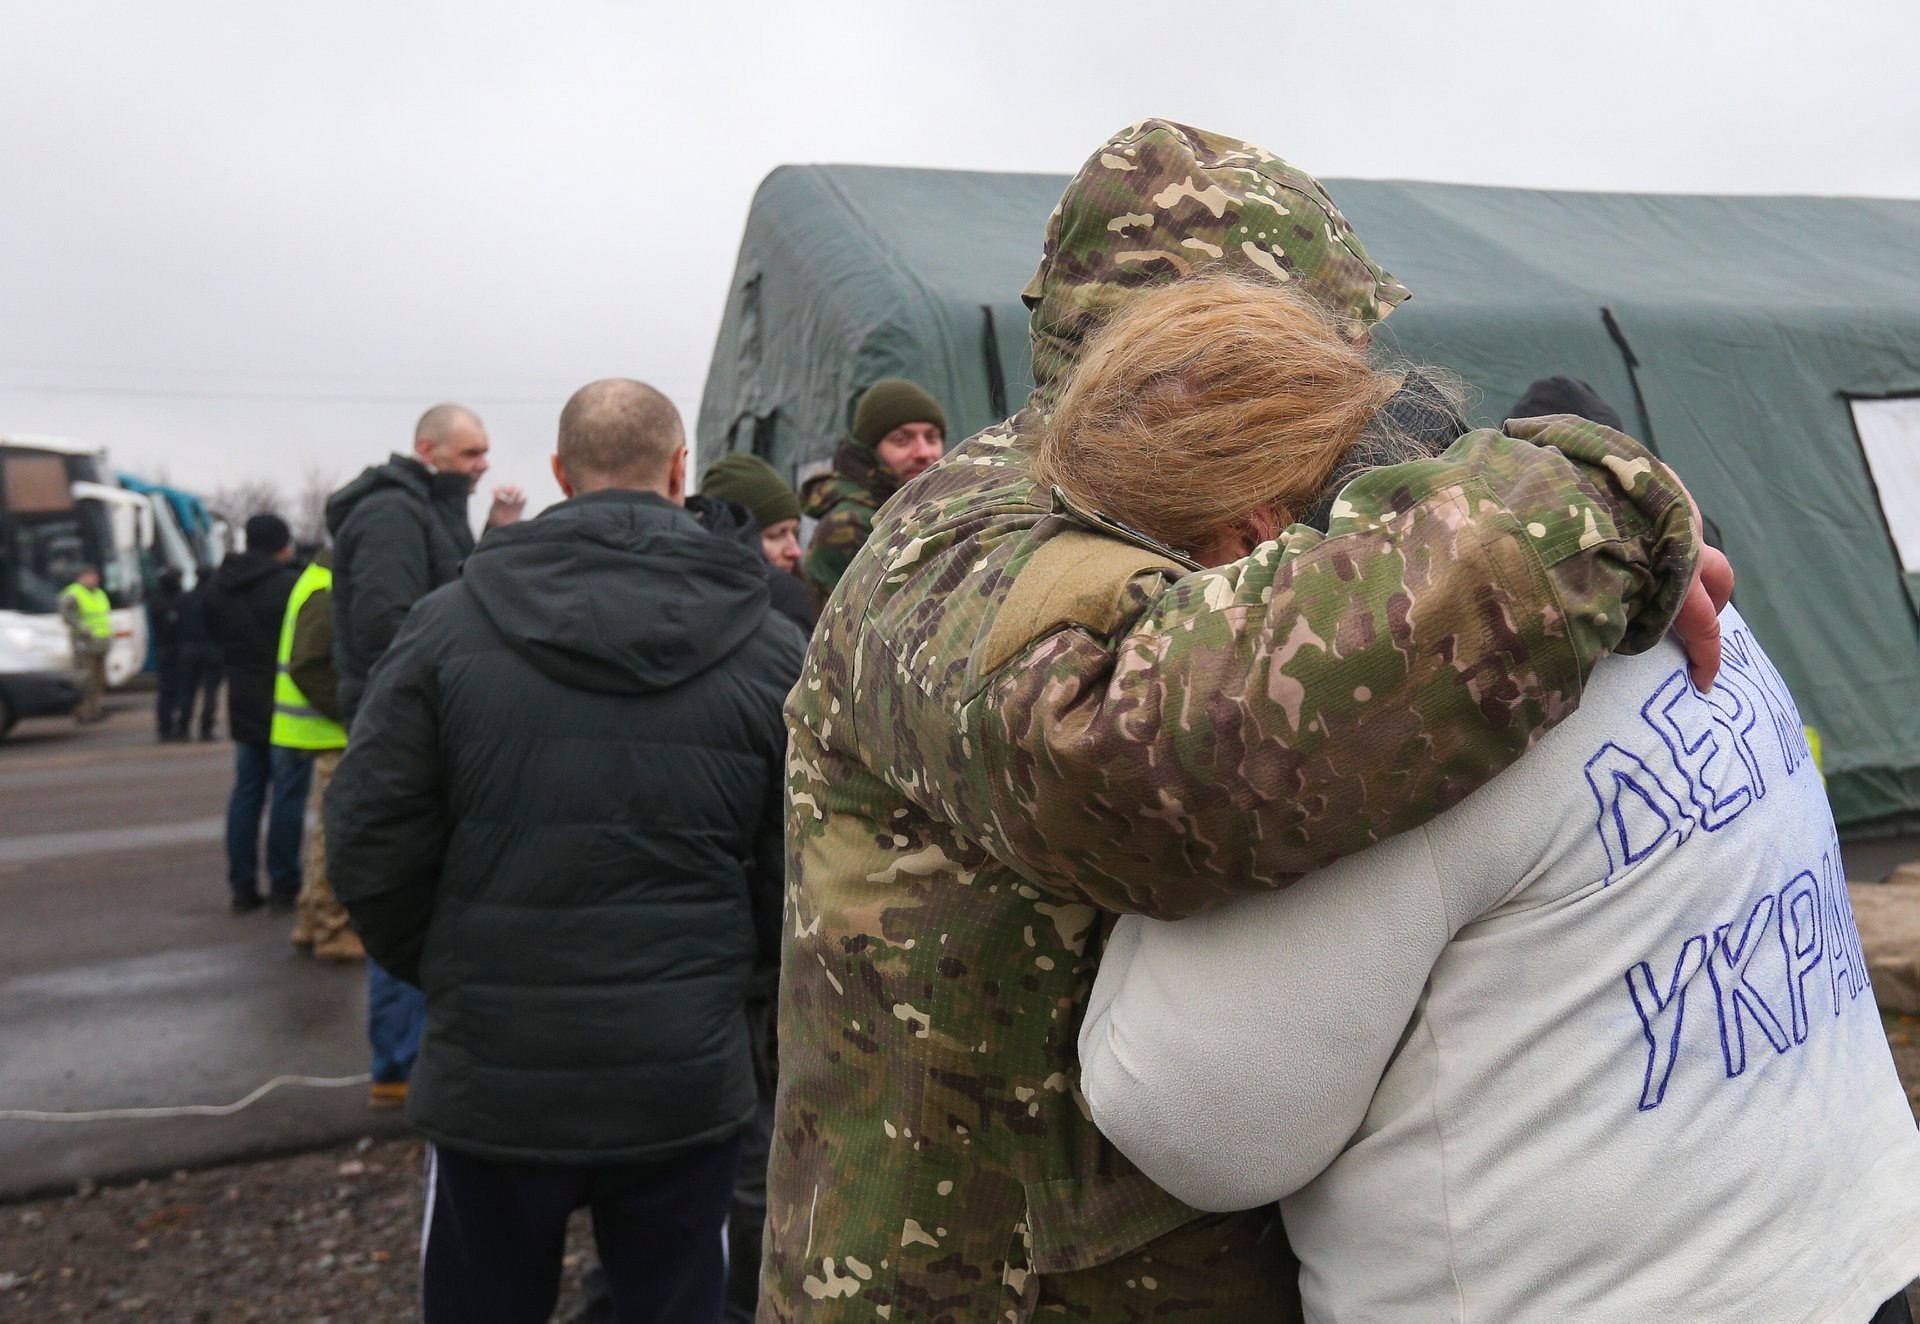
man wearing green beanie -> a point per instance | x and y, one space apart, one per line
899 432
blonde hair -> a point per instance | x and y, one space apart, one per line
1206 400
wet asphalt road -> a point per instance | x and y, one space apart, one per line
125 981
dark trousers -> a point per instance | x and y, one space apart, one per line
496 1233
746 1222
260 771
1894 1310
172 704
201 672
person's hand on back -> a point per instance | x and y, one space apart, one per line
1698 624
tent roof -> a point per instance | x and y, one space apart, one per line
852 273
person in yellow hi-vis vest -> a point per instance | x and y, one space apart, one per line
88 614
306 717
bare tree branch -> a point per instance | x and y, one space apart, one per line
241 500
309 518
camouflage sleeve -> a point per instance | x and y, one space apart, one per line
1259 720
843 532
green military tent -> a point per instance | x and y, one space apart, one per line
1769 347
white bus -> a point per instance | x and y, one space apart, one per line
60 509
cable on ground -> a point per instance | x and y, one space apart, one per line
184 1110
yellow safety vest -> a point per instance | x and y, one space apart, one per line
96 611
297 724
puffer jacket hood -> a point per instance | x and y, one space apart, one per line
857 476
1157 202
725 518
618 592
401 471
242 570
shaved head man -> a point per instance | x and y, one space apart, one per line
451 439
560 813
619 433
401 530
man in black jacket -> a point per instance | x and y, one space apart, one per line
560 813
163 624
399 532
201 671
244 606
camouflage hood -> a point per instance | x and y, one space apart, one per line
1158 201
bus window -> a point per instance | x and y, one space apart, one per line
48 553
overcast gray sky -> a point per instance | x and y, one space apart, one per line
249 238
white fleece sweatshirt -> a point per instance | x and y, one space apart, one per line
1596 1044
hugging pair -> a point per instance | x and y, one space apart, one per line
1238 636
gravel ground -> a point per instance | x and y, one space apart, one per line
330 1236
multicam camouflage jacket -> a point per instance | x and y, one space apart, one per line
1016 718
845 501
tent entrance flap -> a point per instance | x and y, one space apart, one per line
1889 431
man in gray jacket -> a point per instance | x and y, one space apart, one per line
399 532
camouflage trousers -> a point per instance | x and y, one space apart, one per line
321 916
1217 1269
92 665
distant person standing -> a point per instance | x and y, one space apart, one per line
899 432
244 607
89 616
561 813
163 619
745 498
306 720
399 532
201 670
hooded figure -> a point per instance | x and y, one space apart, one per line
243 607
399 532
1018 715
846 499
559 814
732 521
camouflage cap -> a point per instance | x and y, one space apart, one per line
1160 200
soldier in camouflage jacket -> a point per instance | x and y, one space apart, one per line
899 431
1016 717
844 500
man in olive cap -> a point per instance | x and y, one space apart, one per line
899 432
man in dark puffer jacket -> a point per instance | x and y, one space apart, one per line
399 532
243 606
560 814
